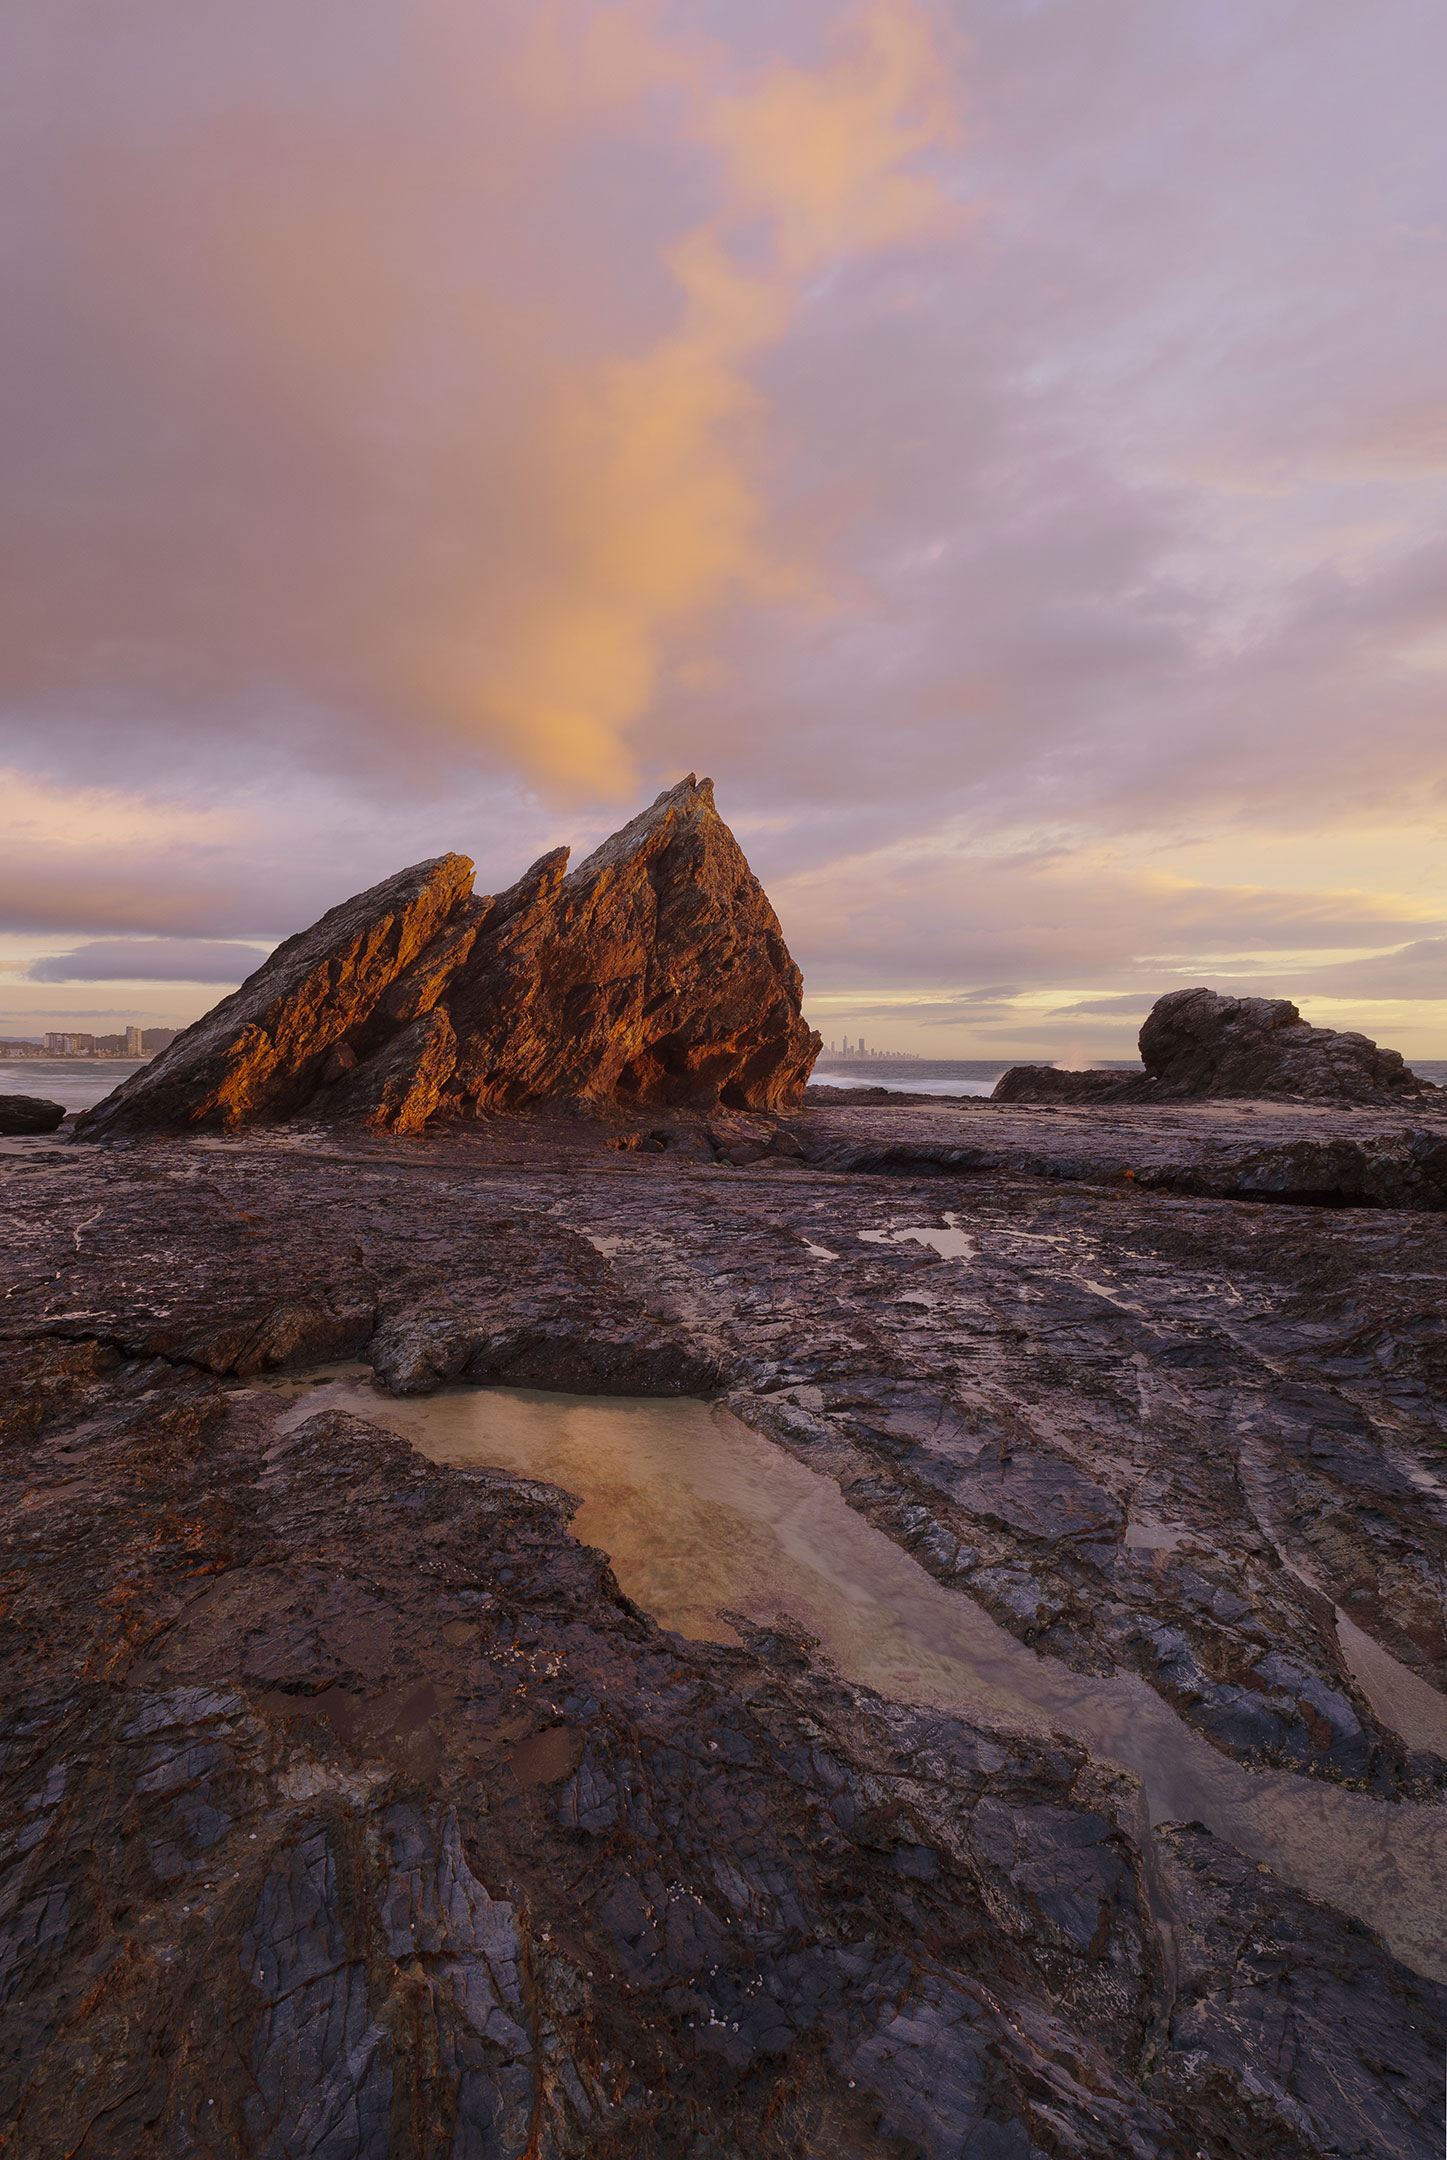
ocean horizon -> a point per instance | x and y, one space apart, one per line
79 1082
978 1076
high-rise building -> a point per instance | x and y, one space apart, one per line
133 1042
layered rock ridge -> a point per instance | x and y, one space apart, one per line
1197 1043
655 973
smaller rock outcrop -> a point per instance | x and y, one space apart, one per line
29 1114
1051 1084
1199 1044
1196 1042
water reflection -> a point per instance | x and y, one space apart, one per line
700 1515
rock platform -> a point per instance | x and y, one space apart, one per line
350 1809
1315 1154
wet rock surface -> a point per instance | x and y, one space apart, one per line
654 973
349 1810
1197 1043
350 1804
1308 1154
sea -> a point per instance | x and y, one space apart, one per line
977 1076
75 1082
79 1082
929 1076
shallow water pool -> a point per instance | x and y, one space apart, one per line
701 1516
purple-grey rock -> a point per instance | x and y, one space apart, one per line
29 1114
1196 1042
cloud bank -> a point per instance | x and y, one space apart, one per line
150 960
1004 443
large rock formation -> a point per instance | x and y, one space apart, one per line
654 973
1197 1043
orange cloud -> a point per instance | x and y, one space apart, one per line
827 156
655 478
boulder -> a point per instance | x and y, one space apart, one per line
653 974
1196 1042
1048 1084
1199 1044
29 1114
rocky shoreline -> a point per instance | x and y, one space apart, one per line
350 1806
351 1809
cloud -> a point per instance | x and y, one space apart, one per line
927 917
1132 1005
150 960
973 432
1414 971
389 440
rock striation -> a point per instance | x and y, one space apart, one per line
349 1808
29 1114
1198 1043
655 973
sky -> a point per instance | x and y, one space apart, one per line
1002 442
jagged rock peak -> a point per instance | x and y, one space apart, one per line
689 796
653 973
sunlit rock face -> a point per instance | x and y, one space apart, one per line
1196 1043
653 974
305 1015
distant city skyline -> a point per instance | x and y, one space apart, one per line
844 1049
131 1041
